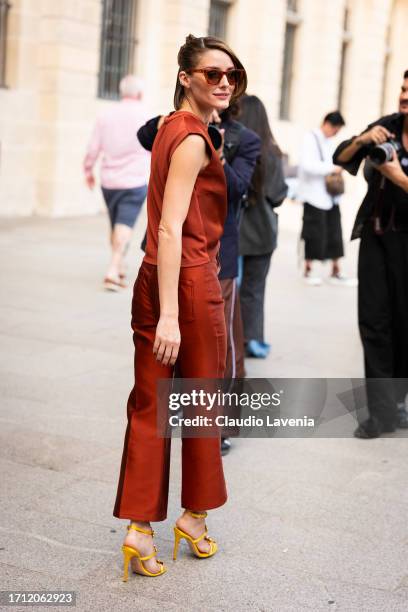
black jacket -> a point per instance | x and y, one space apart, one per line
238 174
389 205
259 227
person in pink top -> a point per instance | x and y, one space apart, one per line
124 171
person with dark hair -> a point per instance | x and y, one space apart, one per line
259 226
177 309
239 150
382 225
321 230
335 118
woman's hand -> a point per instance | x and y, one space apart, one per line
167 341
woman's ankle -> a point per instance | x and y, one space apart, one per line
194 515
142 524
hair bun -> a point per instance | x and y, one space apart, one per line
196 41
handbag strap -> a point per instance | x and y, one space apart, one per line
321 157
319 146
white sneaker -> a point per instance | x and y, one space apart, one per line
342 281
313 281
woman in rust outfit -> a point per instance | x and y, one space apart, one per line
177 309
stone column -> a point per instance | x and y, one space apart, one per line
68 58
18 113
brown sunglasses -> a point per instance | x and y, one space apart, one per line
213 76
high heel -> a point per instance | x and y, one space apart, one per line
129 552
179 534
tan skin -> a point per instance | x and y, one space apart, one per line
378 135
187 161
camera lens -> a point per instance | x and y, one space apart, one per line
384 152
381 153
215 135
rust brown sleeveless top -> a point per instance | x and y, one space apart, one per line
204 223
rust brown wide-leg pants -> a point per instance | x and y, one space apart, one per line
144 475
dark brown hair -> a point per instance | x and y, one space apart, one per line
252 113
189 55
335 118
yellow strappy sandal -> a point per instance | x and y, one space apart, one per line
129 552
179 534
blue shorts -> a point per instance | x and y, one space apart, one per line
124 204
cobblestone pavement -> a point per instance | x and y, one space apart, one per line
317 524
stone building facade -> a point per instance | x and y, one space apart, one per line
303 57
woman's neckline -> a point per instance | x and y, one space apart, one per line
187 112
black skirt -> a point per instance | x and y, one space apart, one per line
322 233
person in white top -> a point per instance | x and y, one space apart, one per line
321 229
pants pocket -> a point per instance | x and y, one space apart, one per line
186 300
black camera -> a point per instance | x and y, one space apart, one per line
215 135
382 153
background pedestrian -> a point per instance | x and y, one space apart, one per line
321 231
124 171
259 226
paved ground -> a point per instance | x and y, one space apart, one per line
310 524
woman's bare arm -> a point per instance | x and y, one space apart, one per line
186 162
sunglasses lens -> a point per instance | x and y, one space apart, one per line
233 77
213 76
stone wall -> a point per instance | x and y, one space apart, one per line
47 110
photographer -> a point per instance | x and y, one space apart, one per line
382 225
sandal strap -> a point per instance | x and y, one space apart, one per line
145 531
203 535
197 514
149 556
